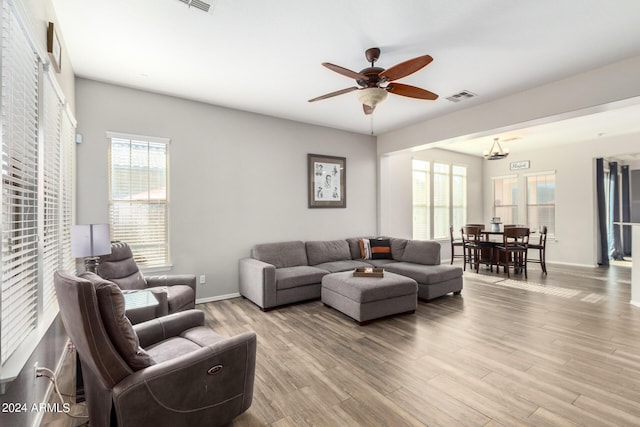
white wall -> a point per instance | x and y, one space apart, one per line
236 178
395 214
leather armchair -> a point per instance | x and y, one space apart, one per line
168 371
174 292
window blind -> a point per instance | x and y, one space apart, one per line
19 186
52 203
138 206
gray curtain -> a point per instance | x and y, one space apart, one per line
603 253
626 211
615 239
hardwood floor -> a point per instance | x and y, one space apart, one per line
557 350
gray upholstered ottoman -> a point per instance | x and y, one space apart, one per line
368 298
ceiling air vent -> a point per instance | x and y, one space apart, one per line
198 4
465 94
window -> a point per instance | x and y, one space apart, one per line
37 195
439 199
138 195
421 200
541 201
458 197
505 199
441 205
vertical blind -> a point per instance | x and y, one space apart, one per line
138 205
37 193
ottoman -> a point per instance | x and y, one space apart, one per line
368 298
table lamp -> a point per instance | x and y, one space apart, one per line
89 241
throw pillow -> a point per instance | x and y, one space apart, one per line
365 249
112 310
380 249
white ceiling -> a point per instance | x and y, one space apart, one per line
264 56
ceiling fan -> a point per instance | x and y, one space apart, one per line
376 82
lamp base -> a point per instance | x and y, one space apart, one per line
91 264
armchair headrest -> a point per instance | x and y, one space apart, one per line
120 267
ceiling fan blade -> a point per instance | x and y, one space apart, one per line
411 91
345 72
368 110
405 68
332 94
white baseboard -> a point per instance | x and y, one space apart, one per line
217 298
636 303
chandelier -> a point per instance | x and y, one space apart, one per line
496 151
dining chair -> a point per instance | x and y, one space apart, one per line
475 248
455 243
513 250
541 247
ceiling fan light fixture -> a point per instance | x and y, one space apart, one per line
372 96
496 152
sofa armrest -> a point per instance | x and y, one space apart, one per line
171 280
156 330
212 382
258 282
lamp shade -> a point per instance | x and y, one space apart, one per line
90 240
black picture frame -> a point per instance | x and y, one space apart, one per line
327 181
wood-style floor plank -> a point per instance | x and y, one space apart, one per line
556 350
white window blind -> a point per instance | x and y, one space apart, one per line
439 199
541 201
19 186
37 192
505 199
138 190
51 157
421 200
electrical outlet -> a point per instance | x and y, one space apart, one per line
203 279
35 372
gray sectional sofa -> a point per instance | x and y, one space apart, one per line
282 273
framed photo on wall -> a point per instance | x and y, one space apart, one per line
54 49
327 181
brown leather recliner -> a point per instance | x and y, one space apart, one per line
170 371
174 293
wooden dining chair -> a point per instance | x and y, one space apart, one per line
513 250
455 243
541 247
474 247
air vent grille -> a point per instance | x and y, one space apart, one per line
198 4
465 94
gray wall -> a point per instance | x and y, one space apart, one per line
236 178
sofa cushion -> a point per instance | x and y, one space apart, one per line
292 277
380 262
421 252
354 246
319 252
282 254
346 265
425 274
380 249
398 247
112 307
